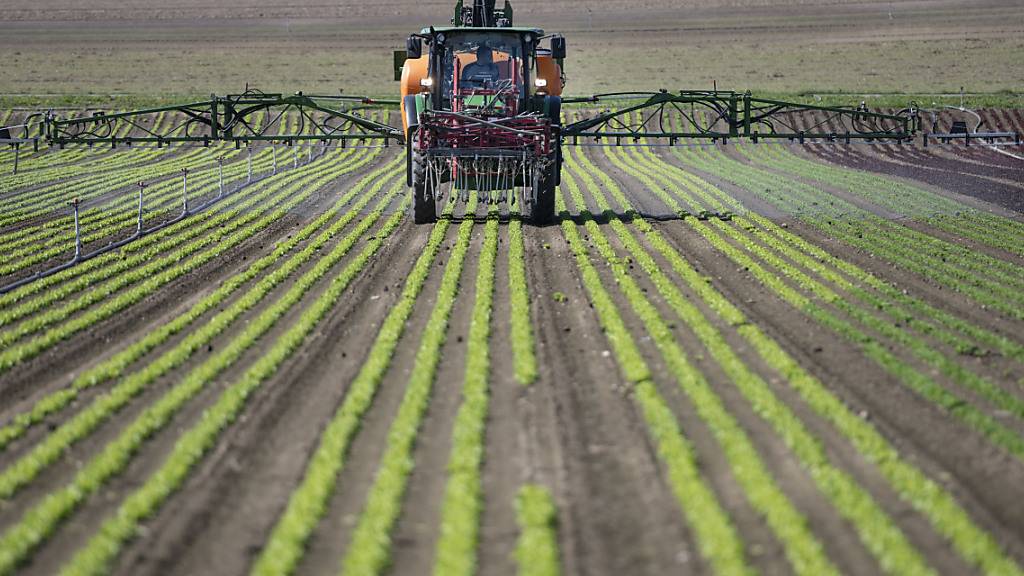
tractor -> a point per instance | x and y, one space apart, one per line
481 111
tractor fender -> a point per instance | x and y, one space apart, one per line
553 109
411 119
410 112
408 154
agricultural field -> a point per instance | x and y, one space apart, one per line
121 53
724 359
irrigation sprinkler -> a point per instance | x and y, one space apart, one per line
273 148
138 230
184 191
17 150
248 150
220 176
295 157
309 154
78 237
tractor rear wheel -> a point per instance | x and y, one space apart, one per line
424 205
543 210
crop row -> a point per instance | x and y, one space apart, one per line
523 358
717 539
108 301
869 323
537 547
50 164
987 280
121 526
116 365
28 467
802 548
115 173
460 508
876 530
369 551
162 201
46 158
307 504
146 249
37 201
40 521
104 221
902 198
945 515
49 202
964 337
235 226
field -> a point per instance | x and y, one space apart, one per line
722 359
727 359
86 52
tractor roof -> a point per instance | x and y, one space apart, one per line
455 29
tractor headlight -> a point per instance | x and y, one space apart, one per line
426 82
540 82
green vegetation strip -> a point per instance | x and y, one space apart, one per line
803 550
36 202
308 502
95 557
52 247
17 303
232 233
460 509
537 548
162 201
999 397
163 196
920 382
43 518
145 251
369 551
38 522
717 539
928 498
116 366
897 196
523 357
899 306
987 280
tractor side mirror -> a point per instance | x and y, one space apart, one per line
558 48
400 56
414 47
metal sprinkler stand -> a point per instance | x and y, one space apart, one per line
248 150
273 149
138 231
220 176
78 237
184 191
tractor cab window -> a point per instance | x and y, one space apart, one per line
483 63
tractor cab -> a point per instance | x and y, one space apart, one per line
484 72
500 71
